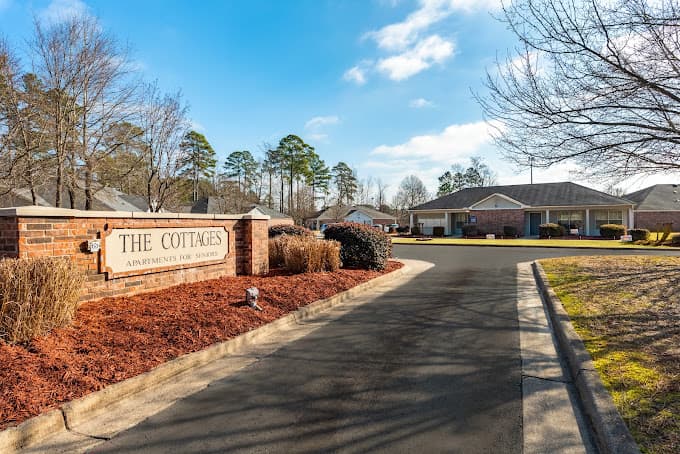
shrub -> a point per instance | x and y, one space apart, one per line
612 230
675 240
276 252
403 229
415 230
639 234
550 230
438 231
36 295
510 230
361 245
302 254
287 229
470 230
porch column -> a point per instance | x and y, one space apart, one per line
587 232
447 223
410 222
547 216
631 218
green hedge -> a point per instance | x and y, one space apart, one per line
639 234
361 246
550 230
510 230
470 230
287 229
612 231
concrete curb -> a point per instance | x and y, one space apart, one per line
611 434
70 414
425 243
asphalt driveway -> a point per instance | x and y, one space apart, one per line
431 366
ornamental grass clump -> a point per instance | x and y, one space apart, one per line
362 246
302 254
37 295
287 229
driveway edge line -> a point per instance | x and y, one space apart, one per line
611 433
34 430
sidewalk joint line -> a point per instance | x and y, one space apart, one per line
547 379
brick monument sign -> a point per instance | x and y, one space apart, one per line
131 252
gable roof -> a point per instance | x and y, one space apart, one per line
540 194
370 212
342 212
218 205
657 197
103 199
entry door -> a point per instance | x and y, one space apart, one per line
534 222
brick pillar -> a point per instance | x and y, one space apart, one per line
252 245
9 236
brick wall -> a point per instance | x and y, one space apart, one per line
492 221
655 219
31 232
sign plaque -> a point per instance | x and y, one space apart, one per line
136 251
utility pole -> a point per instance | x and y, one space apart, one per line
531 169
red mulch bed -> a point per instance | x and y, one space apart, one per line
117 338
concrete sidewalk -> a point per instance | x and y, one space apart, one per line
553 421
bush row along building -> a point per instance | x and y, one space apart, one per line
527 206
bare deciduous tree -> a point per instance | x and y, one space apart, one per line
596 82
163 121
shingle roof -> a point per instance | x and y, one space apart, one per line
657 197
370 212
541 194
269 212
104 199
217 205
331 212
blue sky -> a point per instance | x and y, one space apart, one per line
384 85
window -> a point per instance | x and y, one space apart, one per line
568 219
608 217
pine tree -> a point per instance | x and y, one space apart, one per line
199 159
319 176
242 166
345 182
294 158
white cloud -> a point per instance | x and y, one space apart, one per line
319 122
196 126
410 52
429 155
355 74
452 144
60 10
318 137
316 127
420 103
431 50
401 35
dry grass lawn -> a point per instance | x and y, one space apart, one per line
627 311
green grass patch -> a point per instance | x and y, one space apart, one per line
626 311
